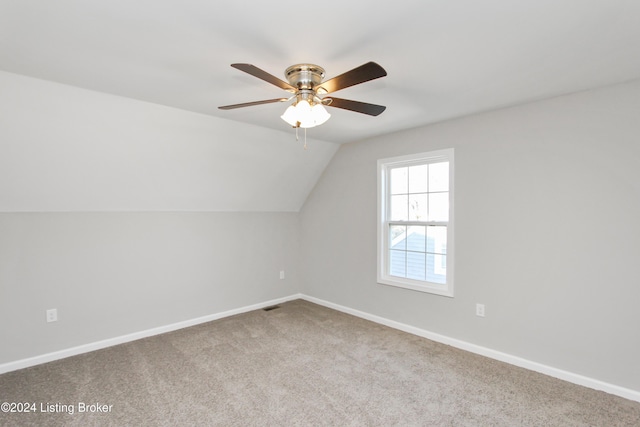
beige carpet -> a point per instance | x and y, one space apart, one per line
299 365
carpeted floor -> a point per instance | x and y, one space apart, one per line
299 365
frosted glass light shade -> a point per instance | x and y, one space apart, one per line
304 116
290 115
303 109
320 114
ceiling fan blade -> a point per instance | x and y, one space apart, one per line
250 104
357 106
261 74
361 74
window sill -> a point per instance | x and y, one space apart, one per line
414 285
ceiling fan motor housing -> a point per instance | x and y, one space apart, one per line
304 76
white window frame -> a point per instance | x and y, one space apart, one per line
383 276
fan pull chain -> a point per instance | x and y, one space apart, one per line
305 135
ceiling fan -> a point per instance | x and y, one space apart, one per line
308 89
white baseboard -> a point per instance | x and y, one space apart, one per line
493 354
463 345
85 348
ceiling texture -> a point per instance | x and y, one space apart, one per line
444 58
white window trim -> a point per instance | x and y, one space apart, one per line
384 165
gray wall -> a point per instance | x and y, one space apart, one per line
547 208
112 274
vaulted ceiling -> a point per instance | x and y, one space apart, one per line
113 105
444 58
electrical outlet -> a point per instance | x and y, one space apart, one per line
480 310
52 315
281 274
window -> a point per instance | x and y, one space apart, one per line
415 222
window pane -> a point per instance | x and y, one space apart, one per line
399 181
416 265
417 207
398 263
418 179
439 207
398 237
416 238
399 208
436 268
439 177
437 239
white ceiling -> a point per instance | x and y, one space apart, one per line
444 58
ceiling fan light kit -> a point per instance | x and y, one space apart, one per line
305 82
303 114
